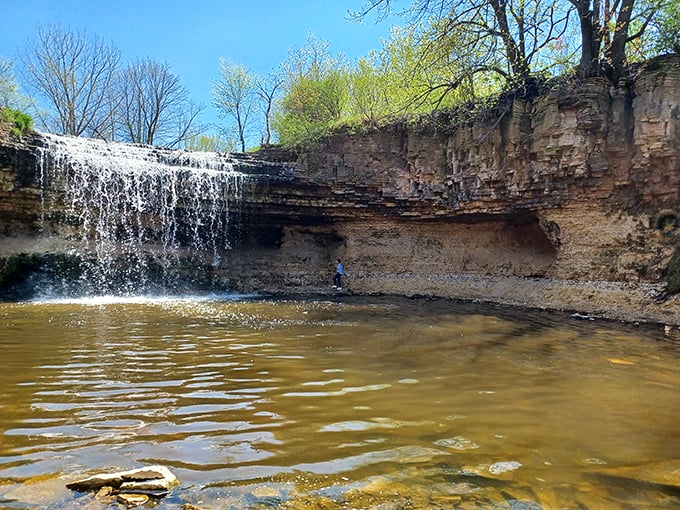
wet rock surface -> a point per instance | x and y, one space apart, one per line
497 485
135 487
666 473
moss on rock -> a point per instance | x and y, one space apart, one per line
19 273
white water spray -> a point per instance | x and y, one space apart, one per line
137 203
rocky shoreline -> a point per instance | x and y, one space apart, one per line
621 302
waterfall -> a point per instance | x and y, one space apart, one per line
134 214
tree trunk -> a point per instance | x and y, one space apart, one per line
616 53
590 40
513 52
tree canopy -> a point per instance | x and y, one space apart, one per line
518 38
315 93
443 53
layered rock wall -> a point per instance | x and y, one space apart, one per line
569 199
565 200
20 195
578 142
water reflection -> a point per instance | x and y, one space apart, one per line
357 402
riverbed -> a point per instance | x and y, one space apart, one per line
336 402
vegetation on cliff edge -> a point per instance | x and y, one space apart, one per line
445 53
19 123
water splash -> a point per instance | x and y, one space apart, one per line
137 207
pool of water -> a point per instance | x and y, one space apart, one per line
348 403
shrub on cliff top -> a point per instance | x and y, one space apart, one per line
20 122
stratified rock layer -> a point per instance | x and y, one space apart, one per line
566 200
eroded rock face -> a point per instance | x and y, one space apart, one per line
583 142
568 186
553 201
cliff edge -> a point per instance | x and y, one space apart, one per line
566 200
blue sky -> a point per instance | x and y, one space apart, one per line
192 35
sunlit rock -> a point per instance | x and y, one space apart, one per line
151 480
132 500
497 470
503 467
457 443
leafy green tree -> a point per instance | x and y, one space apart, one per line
20 109
416 71
502 37
315 93
209 143
310 108
391 81
667 28
526 33
8 86
235 96
369 99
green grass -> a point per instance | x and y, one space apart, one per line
20 123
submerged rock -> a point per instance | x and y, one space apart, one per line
457 443
132 488
665 473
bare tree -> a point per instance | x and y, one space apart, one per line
233 95
74 73
266 90
154 107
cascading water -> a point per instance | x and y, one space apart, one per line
136 214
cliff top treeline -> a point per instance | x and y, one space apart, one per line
446 53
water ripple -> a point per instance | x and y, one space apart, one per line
338 393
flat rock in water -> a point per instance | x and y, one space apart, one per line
156 477
147 486
659 473
131 500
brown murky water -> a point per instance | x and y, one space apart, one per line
352 403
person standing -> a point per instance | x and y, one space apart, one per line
337 279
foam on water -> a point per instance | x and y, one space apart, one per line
112 299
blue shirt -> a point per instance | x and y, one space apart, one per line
340 269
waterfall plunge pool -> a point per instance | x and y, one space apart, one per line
356 402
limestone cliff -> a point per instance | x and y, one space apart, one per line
566 200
